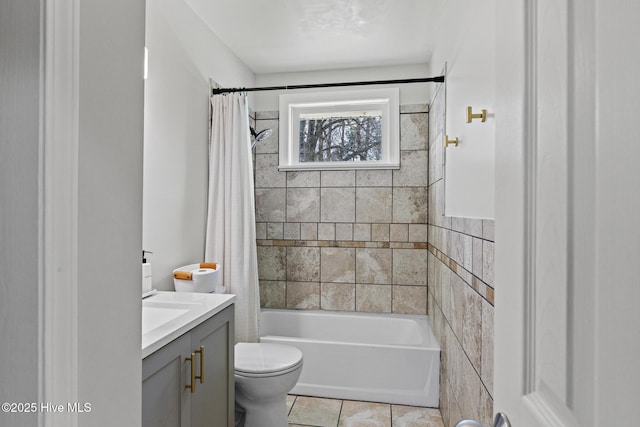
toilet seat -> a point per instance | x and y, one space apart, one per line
265 359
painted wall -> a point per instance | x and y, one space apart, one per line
19 200
183 54
109 210
466 47
417 93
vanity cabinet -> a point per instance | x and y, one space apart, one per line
166 373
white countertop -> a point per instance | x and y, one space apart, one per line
168 315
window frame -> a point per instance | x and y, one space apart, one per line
293 105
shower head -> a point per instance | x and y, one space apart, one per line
259 136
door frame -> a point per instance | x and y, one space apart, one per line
59 212
534 337
596 142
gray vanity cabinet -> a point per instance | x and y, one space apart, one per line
166 401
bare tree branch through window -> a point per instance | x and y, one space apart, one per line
343 139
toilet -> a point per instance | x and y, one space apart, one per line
264 374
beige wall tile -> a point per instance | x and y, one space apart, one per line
272 261
267 174
399 232
486 407
453 360
436 157
373 204
414 131
374 178
303 179
409 205
431 271
338 265
273 294
488 229
418 232
327 231
275 230
456 304
373 298
309 231
460 249
486 371
472 227
436 114
469 398
337 204
477 257
414 108
338 296
267 115
261 230
292 230
410 267
303 295
445 281
457 224
373 266
362 232
303 264
414 169
444 400
487 262
338 178
344 231
303 204
380 232
409 299
270 204
471 326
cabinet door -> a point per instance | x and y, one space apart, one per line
165 401
212 405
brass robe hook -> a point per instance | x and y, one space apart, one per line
470 115
448 141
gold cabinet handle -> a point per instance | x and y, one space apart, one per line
201 376
192 386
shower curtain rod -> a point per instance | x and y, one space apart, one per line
437 79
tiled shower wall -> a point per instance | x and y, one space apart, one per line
344 240
461 293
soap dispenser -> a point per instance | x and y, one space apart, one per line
146 273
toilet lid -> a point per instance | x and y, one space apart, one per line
261 358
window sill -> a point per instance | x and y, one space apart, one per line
337 166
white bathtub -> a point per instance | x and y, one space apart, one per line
386 358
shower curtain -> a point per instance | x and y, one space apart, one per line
231 226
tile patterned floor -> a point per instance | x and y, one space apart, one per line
320 412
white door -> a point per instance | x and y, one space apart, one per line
567 325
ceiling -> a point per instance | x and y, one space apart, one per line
273 36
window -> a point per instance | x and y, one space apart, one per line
340 130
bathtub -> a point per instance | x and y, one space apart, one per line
389 358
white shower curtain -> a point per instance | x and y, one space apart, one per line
231 227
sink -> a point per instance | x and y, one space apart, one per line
157 313
167 315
